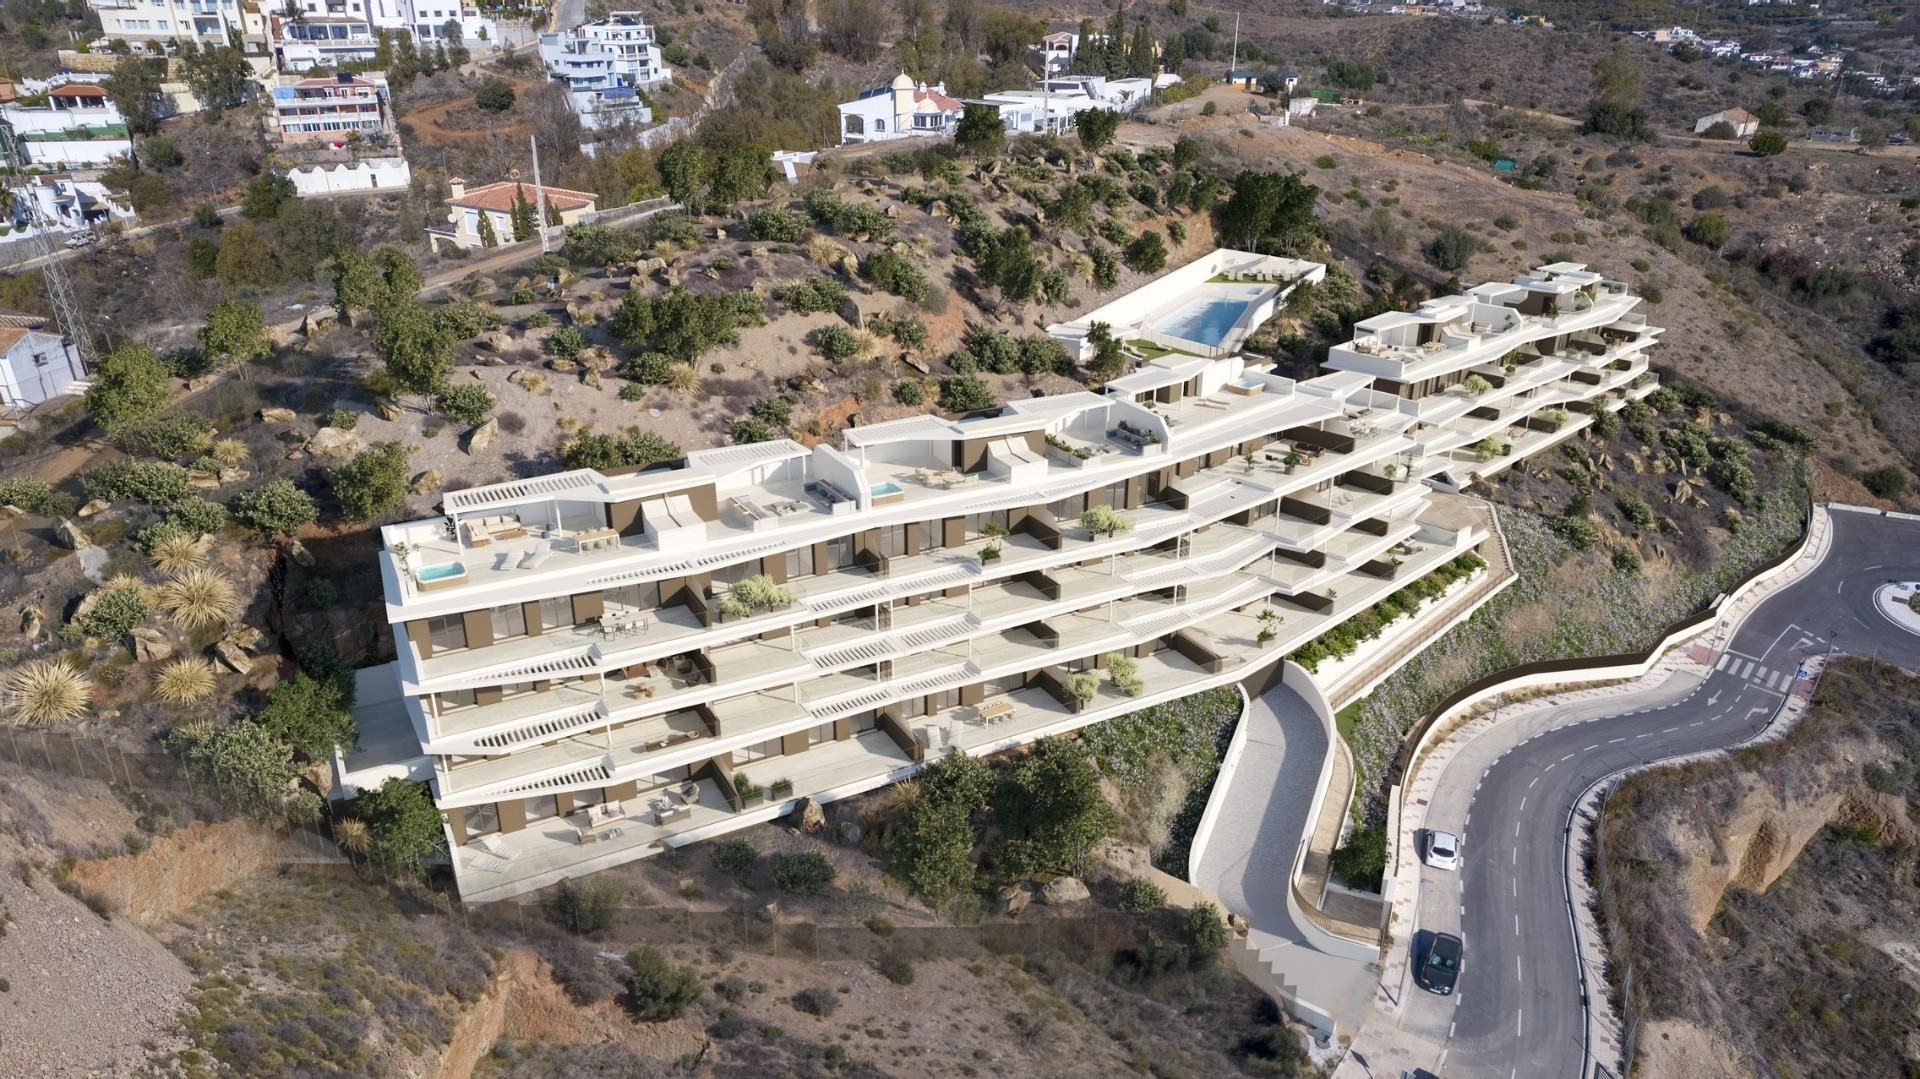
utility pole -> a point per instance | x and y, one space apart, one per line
1234 63
539 196
66 310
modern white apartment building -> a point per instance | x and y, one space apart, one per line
618 50
309 34
208 22
594 666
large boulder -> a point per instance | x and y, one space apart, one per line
299 553
33 621
150 645
1062 890
427 482
809 816
390 412
98 505
483 436
233 657
276 415
71 537
246 638
1014 899
334 442
851 834
497 341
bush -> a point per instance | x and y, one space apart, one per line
814 295
277 508
494 95
807 873
156 482
585 905
1362 860
893 272
1206 931
197 516
1139 895
567 342
1889 481
909 392
777 225
343 419
1452 248
611 451
734 857
897 969
836 343
373 483
1325 161
1147 253
34 496
660 990
117 612
172 436
1768 144
816 1001
466 403
965 393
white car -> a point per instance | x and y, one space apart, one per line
1443 850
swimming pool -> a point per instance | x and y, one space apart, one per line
441 572
1205 321
884 488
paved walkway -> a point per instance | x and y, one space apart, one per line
1248 861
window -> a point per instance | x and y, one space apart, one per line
1068 508
867 721
840 552
819 734
893 541
482 820
458 698
645 595
758 751
800 563
540 807
933 535
911 708
736 572
945 699
509 621
978 521
556 612
447 632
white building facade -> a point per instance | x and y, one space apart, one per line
902 109
597 665
75 125
35 366
617 51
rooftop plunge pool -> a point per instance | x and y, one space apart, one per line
1206 321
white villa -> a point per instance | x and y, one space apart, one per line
901 109
617 51
596 666
311 34
67 204
75 125
35 366
905 109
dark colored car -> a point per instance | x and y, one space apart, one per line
1441 971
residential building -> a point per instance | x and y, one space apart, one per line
66 204
149 24
901 109
310 34
337 134
598 665
609 108
1054 54
617 51
1744 123
475 213
1253 82
69 122
35 366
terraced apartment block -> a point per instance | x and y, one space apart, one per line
594 666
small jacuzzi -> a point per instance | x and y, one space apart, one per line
444 575
886 491
1246 385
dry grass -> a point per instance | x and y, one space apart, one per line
230 451
184 681
199 597
45 692
176 554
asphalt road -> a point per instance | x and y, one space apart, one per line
1519 1010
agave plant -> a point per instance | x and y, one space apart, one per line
176 553
184 681
352 835
45 692
199 597
230 451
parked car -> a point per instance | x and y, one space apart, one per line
1443 850
1441 971
81 239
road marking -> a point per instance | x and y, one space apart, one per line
1590 748
1463 910
1643 734
1702 724
1548 768
1611 741
1516 856
1523 804
1722 665
1536 779
1516 925
1669 730
1450 1027
1517 974
1762 674
1516 829
1569 756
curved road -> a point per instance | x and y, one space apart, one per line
1519 1009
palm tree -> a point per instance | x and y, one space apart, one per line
45 692
199 597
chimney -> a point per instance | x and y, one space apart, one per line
456 187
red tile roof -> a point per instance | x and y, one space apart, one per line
77 89
499 196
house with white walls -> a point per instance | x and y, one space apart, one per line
68 123
67 204
617 51
483 216
337 134
36 365
901 109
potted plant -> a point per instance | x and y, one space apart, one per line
750 792
1291 460
988 553
780 789
1265 636
1124 671
757 594
1248 459
1391 471
1081 686
1476 385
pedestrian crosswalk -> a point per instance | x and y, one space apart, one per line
1752 671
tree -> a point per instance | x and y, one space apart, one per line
738 174
357 284
1096 128
522 214
1887 481
1356 75
402 277
890 271
217 76
130 386
980 131
585 905
417 354
1709 230
235 333
965 393
1270 212
806 873
1109 357
134 89
1050 811
311 715
456 43
245 260
373 483
1616 78
852 28
1720 129
1451 248
1147 253
660 990
494 95
264 195
277 508
1768 143
683 169
931 847
404 826
1009 264
249 770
